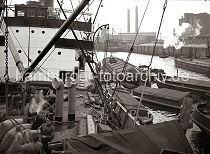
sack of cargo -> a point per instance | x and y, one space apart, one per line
9 137
27 135
26 138
7 125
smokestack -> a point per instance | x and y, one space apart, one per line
128 21
136 20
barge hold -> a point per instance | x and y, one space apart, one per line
132 77
123 104
115 66
197 88
165 99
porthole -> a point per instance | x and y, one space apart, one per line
17 31
32 31
39 51
43 32
19 51
59 53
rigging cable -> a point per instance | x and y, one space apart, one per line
77 20
97 12
29 33
94 23
142 94
156 40
73 9
131 49
30 60
64 36
43 62
102 94
6 76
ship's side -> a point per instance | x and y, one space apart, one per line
31 27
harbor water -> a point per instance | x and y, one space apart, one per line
199 141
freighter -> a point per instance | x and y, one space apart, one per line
42 51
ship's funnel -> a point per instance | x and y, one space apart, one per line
47 3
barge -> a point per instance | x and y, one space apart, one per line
164 99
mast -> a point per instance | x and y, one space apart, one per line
59 33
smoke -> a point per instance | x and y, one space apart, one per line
176 40
182 33
37 103
198 28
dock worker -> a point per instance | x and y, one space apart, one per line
34 147
47 131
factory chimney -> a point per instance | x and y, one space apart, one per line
128 21
136 20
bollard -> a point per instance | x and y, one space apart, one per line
71 98
59 86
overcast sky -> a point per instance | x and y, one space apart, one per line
117 14
114 12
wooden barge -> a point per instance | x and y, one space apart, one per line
197 88
125 107
131 76
164 99
194 66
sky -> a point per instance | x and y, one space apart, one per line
114 12
117 14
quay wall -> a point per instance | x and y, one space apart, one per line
187 51
147 49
